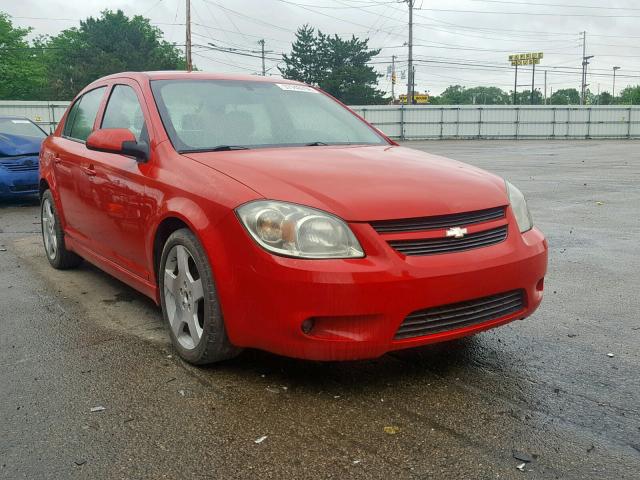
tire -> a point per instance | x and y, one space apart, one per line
189 301
53 237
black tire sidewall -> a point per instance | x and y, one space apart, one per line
214 344
56 261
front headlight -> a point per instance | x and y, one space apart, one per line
520 209
297 231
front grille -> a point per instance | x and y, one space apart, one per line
432 246
459 315
18 166
439 222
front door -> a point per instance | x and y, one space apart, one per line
119 207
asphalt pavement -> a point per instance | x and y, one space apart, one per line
560 389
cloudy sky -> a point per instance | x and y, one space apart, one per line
463 42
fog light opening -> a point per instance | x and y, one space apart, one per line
307 326
540 285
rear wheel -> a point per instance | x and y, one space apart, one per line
53 236
190 302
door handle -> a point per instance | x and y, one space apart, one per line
89 171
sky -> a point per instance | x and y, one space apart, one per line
465 42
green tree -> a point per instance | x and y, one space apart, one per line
302 63
21 69
630 96
486 96
452 95
605 98
524 98
566 96
101 46
340 67
459 95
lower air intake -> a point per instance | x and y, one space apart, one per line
459 315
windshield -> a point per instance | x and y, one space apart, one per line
19 126
214 114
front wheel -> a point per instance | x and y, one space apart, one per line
190 302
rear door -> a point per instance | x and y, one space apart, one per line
73 181
118 205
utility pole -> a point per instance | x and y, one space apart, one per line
545 87
188 43
515 87
533 82
585 63
614 81
585 84
410 75
584 54
393 78
264 71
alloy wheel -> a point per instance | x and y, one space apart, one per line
184 297
49 229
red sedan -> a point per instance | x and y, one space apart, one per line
263 213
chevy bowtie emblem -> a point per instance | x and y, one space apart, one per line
456 232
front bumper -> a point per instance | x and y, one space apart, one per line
357 305
18 184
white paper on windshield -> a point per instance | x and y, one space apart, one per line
19 121
296 88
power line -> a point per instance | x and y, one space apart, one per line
487 12
240 14
538 4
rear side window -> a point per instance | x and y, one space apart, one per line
124 111
82 115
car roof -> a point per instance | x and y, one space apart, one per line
183 75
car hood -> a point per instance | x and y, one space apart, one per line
14 145
362 183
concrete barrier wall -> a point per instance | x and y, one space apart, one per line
446 121
504 121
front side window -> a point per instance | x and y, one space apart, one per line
124 111
208 114
82 115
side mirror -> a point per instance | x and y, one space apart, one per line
118 140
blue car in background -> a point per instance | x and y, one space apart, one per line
20 141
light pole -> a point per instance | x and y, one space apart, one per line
614 81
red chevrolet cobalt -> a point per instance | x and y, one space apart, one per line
263 213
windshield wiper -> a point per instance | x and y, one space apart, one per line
226 148
219 148
316 144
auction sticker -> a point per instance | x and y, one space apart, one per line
296 88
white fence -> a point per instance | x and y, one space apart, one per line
504 121
442 122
